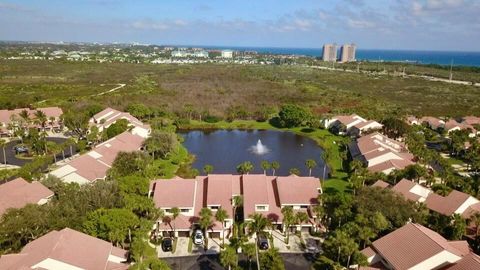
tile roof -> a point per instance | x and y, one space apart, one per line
5 115
412 244
381 184
298 190
95 164
66 246
174 193
18 193
455 202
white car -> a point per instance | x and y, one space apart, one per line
198 237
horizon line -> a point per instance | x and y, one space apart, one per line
226 46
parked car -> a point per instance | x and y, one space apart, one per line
20 149
262 242
167 244
311 246
198 237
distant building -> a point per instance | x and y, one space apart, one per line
330 52
227 54
200 54
179 53
347 52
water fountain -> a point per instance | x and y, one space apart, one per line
259 148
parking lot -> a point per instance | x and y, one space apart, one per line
13 160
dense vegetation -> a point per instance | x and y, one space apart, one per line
193 91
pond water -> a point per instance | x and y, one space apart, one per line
225 149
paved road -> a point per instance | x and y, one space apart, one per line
204 262
12 160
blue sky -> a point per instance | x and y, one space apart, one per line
385 24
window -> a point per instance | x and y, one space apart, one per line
214 207
261 207
184 210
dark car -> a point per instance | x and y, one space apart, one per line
167 244
262 242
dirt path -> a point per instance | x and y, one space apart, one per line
120 85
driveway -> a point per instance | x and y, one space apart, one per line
294 243
13 160
180 251
292 261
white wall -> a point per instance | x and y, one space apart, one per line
441 259
387 156
51 264
470 201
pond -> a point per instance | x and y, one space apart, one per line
225 149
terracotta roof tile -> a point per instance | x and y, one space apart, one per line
18 193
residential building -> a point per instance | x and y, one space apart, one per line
416 247
94 165
227 54
179 53
351 124
66 249
11 118
347 53
261 194
455 202
380 153
107 117
200 54
18 193
471 120
449 126
329 53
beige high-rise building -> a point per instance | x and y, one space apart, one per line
347 53
329 52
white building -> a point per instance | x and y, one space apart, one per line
227 54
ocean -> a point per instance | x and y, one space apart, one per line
420 57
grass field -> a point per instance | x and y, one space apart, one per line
215 89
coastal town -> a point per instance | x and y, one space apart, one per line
240 135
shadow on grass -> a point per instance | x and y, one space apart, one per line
307 130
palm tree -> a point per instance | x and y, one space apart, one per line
245 168
41 118
249 250
206 222
319 212
3 143
25 116
54 148
295 171
208 169
51 119
257 225
175 212
275 167
71 142
229 258
301 218
288 219
237 201
221 216
310 163
265 166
